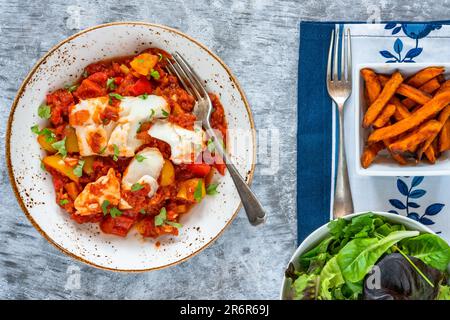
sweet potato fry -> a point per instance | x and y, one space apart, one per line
383 78
410 141
384 115
372 84
429 87
444 137
369 154
401 112
428 110
424 75
430 154
444 87
443 116
377 106
414 94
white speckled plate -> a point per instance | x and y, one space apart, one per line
33 187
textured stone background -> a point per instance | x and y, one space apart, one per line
258 39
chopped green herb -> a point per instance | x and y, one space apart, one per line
43 166
85 74
198 193
160 56
164 113
139 127
212 189
136 187
154 74
161 217
152 113
78 170
140 60
116 152
114 212
63 202
110 84
140 157
44 111
60 146
174 224
116 96
105 205
142 211
71 87
144 96
210 145
102 151
46 132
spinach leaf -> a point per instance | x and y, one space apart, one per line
429 248
305 287
330 278
359 255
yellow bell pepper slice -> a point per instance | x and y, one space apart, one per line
192 190
167 173
144 63
56 162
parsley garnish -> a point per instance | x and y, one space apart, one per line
139 157
161 219
164 113
71 87
198 193
63 202
102 151
78 170
110 84
142 211
44 111
85 74
160 56
114 212
43 166
116 152
60 146
46 132
154 74
116 96
105 205
152 113
136 187
212 189
144 96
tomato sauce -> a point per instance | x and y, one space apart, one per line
117 76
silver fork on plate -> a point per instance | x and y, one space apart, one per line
339 88
202 110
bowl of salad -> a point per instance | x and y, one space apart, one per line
369 256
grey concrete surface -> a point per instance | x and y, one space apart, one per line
258 39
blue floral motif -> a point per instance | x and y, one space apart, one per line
411 193
414 31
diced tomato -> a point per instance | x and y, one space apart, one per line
199 169
118 80
221 167
90 89
84 219
99 77
118 225
59 101
141 86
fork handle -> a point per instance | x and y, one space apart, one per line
253 208
343 203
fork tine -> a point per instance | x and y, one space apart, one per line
349 56
172 69
343 56
330 52
336 54
195 79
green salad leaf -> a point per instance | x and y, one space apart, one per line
429 248
444 293
306 287
358 257
330 278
